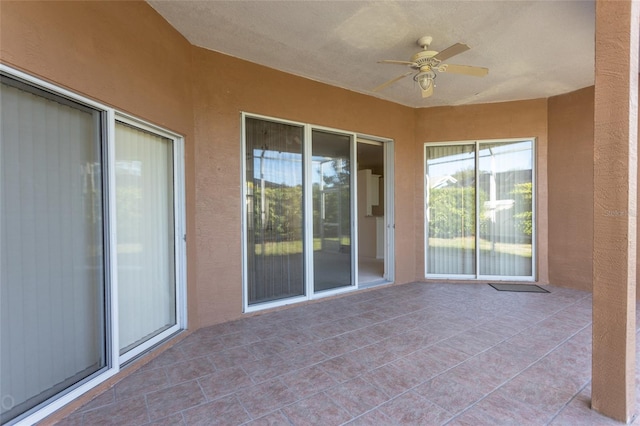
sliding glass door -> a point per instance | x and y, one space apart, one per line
52 292
451 210
145 213
505 172
92 253
331 160
480 209
274 211
298 211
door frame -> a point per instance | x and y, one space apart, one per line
308 212
114 362
476 276
179 234
388 146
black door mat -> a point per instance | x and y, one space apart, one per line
525 288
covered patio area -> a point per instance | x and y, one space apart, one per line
418 353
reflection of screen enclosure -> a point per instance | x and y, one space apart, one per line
479 203
331 210
274 171
275 215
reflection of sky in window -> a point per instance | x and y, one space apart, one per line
507 157
285 168
450 164
327 171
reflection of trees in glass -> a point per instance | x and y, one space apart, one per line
283 212
522 193
465 177
335 177
283 206
453 212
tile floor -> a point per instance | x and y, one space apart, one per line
415 354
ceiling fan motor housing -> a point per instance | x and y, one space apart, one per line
425 58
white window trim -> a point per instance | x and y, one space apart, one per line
476 276
113 359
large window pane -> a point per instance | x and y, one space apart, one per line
451 209
52 327
274 210
145 235
505 177
331 170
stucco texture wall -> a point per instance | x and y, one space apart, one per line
221 93
124 55
571 189
479 122
127 56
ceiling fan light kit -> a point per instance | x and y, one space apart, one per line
426 62
425 79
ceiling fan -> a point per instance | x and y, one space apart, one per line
426 62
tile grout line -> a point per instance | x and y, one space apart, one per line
462 362
557 413
389 321
521 371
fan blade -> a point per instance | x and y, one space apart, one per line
450 51
391 61
390 82
428 92
466 70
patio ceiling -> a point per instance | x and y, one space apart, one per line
533 49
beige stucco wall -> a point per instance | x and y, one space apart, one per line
124 55
571 128
571 189
221 93
479 122
127 56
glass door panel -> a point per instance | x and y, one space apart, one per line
145 235
505 181
331 182
274 211
52 281
451 210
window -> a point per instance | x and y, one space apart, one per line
480 209
92 244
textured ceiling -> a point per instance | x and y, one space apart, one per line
533 49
